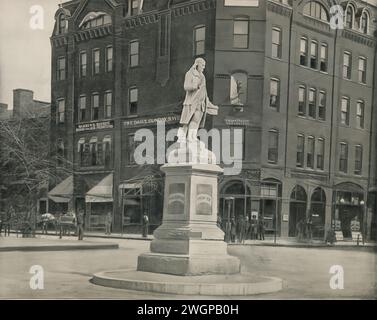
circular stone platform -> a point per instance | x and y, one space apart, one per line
242 284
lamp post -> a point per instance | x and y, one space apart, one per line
363 228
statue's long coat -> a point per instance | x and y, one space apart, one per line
196 98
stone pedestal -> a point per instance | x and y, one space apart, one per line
189 242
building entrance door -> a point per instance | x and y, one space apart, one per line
297 210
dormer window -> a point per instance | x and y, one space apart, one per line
364 22
95 19
316 10
134 7
350 16
62 24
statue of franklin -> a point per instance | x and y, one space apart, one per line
196 105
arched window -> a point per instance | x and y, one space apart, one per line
62 24
95 19
350 16
316 10
107 151
298 194
364 22
60 152
238 88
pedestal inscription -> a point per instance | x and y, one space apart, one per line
204 199
176 198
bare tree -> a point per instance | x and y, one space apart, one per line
26 163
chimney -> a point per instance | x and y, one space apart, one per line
22 102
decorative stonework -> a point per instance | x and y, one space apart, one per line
310 176
59 41
192 8
358 38
315 25
94 33
279 9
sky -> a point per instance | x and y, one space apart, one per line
25 54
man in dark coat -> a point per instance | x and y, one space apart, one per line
233 230
80 225
261 228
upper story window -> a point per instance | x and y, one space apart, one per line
276 43
241 33
300 151
134 53
314 55
199 40
135 7
273 146
316 10
61 68
108 104
303 51
107 151
109 59
95 106
95 19
321 154
358 160
347 65
322 106
364 22
83 63
81 151
62 24
343 157
302 101
238 88
96 61
350 16
60 152
324 57
133 100
362 70
312 103
345 111
61 111
82 108
275 93
360 106
310 153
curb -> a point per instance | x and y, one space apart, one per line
59 248
268 285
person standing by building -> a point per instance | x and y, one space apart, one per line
80 224
145 226
247 228
261 228
228 229
309 228
233 230
108 222
254 224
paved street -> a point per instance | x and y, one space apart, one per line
305 272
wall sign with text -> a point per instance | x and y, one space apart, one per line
95 126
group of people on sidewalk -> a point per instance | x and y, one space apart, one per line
242 228
304 229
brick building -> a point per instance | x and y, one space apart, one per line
300 91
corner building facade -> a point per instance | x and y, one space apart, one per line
300 92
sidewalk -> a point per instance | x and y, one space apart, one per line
13 243
292 242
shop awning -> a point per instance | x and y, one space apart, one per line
63 192
102 192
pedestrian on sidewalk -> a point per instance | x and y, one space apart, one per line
247 228
145 226
108 223
299 230
228 229
233 231
254 228
261 228
80 224
309 228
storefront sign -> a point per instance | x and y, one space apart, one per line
95 126
176 198
151 121
241 3
204 199
237 122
